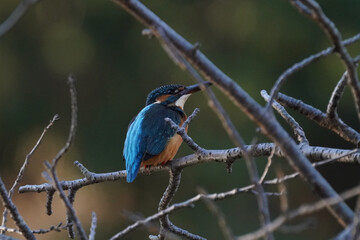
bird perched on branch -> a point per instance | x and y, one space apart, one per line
150 140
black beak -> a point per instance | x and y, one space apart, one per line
195 88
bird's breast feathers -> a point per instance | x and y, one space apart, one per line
148 136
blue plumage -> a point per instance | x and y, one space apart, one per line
150 138
148 135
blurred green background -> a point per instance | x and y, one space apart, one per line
251 41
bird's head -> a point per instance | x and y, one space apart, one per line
173 95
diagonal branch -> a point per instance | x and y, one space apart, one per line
265 120
302 210
298 130
333 33
16 15
314 114
26 163
302 64
52 168
24 228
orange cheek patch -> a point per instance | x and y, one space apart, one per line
162 98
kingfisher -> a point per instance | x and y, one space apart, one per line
150 140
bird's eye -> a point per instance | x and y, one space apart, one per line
176 91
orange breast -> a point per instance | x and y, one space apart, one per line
169 152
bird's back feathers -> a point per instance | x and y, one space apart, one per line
148 135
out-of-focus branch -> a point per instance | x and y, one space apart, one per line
302 64
264 119
52 168
312 113
302 210
216 211
214 197
16 15
19 221
26 162
93 226
318 16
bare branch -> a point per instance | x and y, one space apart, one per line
174 182
182 132
265 120
298 130
52 168
73 124
93 226
56 228
263 149
16 15
334 35
216 211
263 175
336 95
312 113
302 210
263 206
302 64
24 228
25 164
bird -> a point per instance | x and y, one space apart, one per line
150 140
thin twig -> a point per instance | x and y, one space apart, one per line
268 164
174 182
336 95
52 168
93 226
302 210
298 130
216 211
262 201
73 124
314 114
19 221
25 164
182 132
302 64
335 36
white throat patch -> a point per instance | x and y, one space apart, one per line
181 101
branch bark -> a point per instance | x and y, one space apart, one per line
266 121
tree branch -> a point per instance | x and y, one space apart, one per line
318 16
314 114
302 64
263 149
269 126
26 162
52 168
24 228
16 15
302 210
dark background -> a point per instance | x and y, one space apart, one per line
251 41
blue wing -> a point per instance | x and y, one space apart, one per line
147 136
